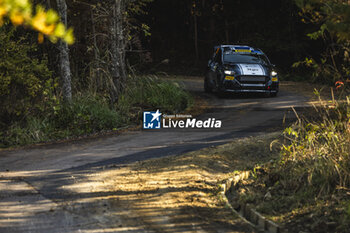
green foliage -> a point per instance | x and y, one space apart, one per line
331 15
332 19
85 115
88 114
137 7
34 130
153 93
318 153
26 85
312 175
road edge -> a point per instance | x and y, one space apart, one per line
246 212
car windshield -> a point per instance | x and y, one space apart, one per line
246 58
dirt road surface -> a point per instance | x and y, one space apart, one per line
68 187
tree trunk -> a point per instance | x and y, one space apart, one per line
121 41
64 56
118 68
96 67
115 74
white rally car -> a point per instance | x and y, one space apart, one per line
237 68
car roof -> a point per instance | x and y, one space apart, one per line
239 49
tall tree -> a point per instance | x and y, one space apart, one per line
115 72
65 71
117 30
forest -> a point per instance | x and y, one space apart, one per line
105 45
114 40
76 68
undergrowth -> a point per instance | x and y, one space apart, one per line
89 114
308 187
149 93
319 151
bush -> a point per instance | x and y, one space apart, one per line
34 130
86 114
319 151
26 84
308 186
150 93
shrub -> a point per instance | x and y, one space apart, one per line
318 153
34 130
26 84
86 114
150 93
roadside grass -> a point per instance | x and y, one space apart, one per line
152 93
308 187
91 114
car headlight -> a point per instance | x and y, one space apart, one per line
229 72
273 73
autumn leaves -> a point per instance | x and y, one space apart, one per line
46 22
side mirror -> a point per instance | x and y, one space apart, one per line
209 63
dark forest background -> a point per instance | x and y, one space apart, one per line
184 32
50 90
274 26
123 62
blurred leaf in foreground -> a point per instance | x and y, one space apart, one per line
20 12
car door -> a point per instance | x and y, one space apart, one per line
214 68
218 69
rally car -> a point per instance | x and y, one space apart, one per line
237 68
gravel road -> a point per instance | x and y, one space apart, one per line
38 185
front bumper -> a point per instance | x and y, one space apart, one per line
249 91
259 87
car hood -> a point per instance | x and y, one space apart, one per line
249 69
